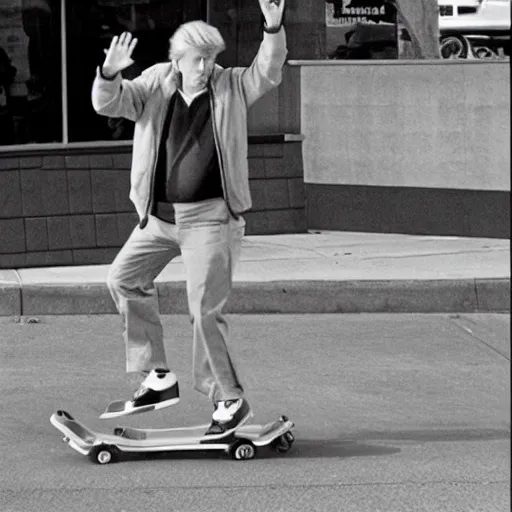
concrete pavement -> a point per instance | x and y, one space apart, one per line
393 413
320 272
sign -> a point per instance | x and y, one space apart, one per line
340 13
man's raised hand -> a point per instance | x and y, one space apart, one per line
273 12
119 54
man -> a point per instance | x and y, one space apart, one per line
189 184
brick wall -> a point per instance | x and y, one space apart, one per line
71 206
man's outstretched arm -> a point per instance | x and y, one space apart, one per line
112 95
265 72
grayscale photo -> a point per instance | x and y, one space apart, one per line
255 255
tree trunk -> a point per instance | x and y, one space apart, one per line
421 20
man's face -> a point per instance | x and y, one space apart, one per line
196 66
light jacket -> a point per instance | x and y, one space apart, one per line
232 91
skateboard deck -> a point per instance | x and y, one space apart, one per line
103 448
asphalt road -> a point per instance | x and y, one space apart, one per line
393 413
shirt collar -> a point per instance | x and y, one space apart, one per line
189 99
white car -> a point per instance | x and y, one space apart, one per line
482 26
484 16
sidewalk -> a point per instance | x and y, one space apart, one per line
321 272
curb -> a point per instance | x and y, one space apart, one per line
286 297
10 299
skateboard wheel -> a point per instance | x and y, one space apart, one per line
289 437
283 447
243 450
282 444
102 454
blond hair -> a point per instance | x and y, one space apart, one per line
198 35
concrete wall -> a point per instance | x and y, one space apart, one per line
66 206
430 136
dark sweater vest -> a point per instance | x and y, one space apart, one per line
187 169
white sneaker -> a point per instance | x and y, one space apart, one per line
158 390
228 416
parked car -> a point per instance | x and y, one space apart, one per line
474 28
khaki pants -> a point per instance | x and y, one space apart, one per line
209 240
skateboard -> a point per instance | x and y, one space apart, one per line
104 448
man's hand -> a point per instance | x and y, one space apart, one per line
273 12
119 54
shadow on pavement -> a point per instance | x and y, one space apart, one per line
332 448
302 448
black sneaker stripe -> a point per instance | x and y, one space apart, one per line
152 397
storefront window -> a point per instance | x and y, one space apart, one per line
361 29
90 28
35 108
30 72
315 30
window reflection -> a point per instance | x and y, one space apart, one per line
360 29
90 28
30 92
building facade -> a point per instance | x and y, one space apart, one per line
64 170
